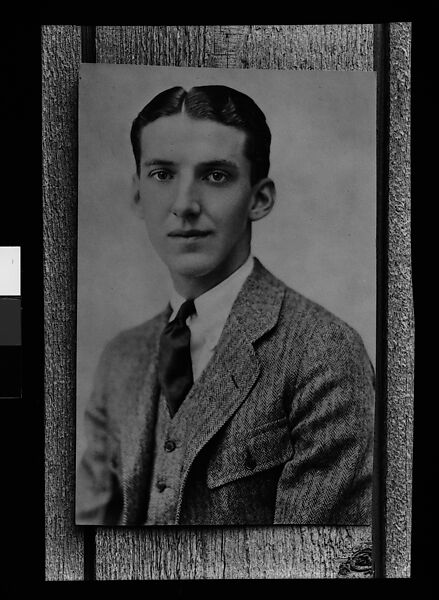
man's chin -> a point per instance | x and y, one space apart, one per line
192 271
192 266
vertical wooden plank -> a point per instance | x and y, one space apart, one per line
266 552
400 347
60 61
164 45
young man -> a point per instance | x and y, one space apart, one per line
243 402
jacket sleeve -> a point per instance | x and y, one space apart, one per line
330 405
97 491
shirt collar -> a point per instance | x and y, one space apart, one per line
216 303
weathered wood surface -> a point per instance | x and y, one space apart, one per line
60 60
400 346
342 47
281 552
230 553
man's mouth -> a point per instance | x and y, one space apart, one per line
188 233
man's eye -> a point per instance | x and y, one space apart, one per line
161 175
216 177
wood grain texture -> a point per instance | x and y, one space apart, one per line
60 60
232 553
281 552
401 319
342 47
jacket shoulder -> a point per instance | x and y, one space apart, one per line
311 323
318 346
135 342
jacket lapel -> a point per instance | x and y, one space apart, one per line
234 368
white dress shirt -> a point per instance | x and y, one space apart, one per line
212 309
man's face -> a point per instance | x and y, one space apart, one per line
195 196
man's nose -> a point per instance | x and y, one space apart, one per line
187 201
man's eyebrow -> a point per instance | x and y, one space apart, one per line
220 162
158 161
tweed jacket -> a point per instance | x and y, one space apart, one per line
283 422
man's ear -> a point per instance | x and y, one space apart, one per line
264 196
136 205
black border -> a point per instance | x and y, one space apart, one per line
21 225
21 103
381 66
424 260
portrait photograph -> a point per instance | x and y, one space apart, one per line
226 296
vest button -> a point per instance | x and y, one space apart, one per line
170 445
161 486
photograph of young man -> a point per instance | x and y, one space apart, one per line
242 402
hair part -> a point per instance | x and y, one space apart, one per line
215 103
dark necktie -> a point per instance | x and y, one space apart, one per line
175 364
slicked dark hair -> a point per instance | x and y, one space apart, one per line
214 103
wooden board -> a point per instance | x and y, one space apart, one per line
60 60
400 346
231 553
183 553
343 47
